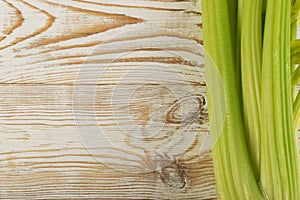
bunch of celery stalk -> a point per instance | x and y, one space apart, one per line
254 47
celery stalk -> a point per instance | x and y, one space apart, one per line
256 155
251 51
233 169
279 159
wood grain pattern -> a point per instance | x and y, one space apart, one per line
131 68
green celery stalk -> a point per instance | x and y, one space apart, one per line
294 24
294 18
234 173
279 159
251 65
256 154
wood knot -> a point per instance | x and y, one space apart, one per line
187 110
174 176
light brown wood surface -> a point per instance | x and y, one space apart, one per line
129 70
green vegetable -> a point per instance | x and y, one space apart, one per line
279 160
295 51
252 45
251 64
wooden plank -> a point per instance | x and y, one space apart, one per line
42 155
103 99
51 39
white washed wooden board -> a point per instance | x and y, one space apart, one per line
141 63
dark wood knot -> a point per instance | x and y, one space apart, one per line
187 110
174 176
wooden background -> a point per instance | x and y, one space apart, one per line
52 52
